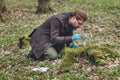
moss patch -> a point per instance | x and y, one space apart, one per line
96 54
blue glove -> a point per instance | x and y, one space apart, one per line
76 36
73 45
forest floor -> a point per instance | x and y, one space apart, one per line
102 27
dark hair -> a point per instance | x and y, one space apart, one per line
80 15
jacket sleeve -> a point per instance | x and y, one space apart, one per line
55 35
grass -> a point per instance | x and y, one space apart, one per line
103 27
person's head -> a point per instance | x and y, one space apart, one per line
77 18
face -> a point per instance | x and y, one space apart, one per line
76 23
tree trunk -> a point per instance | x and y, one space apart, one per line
2 9
43 6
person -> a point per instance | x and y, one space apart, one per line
57 31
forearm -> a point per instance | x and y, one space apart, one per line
61 39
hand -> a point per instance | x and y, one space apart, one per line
76 36
73 45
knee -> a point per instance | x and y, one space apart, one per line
53 57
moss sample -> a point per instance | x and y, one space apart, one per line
97 53
69 55
23 41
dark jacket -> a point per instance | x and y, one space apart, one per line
55 32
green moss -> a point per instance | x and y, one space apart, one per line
95 53
98 53
23 41
111 53
67 61
69 55
99 61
